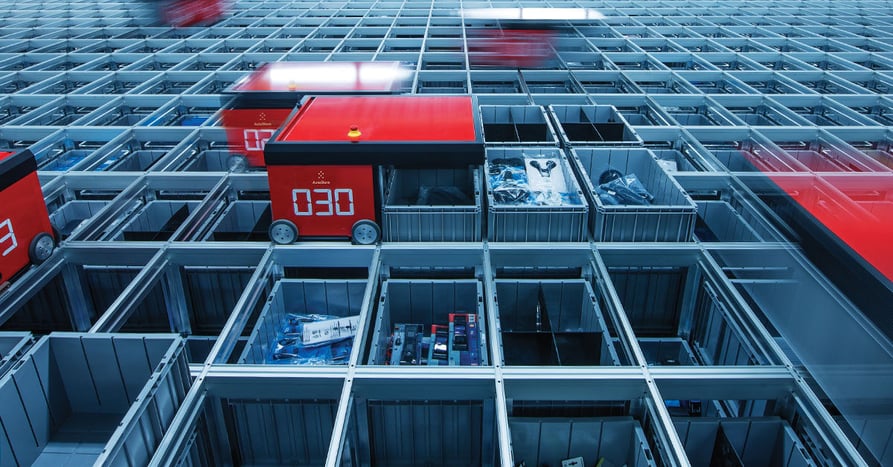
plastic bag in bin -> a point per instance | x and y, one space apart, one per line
508 179
616 189
314 340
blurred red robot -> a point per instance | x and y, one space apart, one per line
25 230
182 13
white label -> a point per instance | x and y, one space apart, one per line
8 237
330 330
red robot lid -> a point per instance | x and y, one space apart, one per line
405 131
14 166
324 78
383 119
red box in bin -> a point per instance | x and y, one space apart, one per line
327 155
25 230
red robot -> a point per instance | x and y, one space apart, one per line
25 231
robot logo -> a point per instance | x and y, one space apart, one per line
8 237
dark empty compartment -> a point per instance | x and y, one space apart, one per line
516 124
529 349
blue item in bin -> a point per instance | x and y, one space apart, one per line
625 190
192 121
288 348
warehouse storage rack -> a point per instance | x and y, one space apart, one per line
668 350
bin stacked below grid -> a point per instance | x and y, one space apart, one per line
91 398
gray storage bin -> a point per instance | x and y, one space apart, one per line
425 302
670 217
552 322
669 302
592 125
309 296
73 214
77 399
533 223
157 221
666 351
405 218
754 441
730 221
12 345
516 125
548 441
242 221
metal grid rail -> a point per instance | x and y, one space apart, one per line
124 117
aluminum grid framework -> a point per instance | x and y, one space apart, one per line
124 117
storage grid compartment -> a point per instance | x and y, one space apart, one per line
12 346
135 151
63 113
873 193
156 221
598 440
696 111
70 148
717 82
186 111
822 154
822 111
721 221
670 302
242 221
666 351
85 398
69 300
639 110
751 441
240 428
552 323
592 124
341 298
670 215
743 151
429 205
73 214
124 111
606 82
430 303
207 150
14 107
514 125
759 111
524 213
677 151
451 425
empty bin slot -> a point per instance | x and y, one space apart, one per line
752 156
756 441
592 125
666 351
243 221
516 124
663 214
823 115
82 399
643 115
293 430
652 298
209 294
58 114
293 298
532 195
718 221
700 115
206 156
821 157
432 307
552 322
73 214
763 115
433 205
599 441
157 221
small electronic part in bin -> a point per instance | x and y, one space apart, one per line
314 340
441 345
573 462
406 345
617 189
464 340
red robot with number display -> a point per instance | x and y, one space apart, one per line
25 230
325 165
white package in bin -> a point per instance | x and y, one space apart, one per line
330 330
546 180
